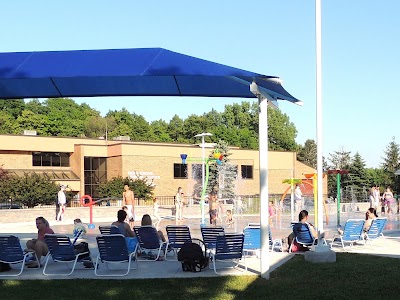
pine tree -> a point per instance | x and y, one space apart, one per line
358 176
339 160
308 154
391 163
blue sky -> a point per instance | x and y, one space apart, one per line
360 58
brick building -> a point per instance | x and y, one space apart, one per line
83 163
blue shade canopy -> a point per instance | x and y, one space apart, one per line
125 72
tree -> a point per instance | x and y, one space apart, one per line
375 176
28 120
358 176
3 174
7 123
391 164
308 154
95 126
338 160
159 131
114 187
281 132
176 129
30 189
66 117
14 107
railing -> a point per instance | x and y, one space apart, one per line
241 204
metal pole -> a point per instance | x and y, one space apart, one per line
338 197
202 180
319 114
263 153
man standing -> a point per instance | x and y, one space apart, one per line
298 199
214 206
128 200
62 202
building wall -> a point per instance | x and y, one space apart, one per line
155 160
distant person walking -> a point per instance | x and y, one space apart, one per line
62 202
298 199
377 196
179 202
128 200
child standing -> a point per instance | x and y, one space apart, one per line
79 229
271 212
229 218
156 216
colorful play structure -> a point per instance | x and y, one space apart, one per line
338 174
217 158
293 182
89 204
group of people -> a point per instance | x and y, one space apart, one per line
387 201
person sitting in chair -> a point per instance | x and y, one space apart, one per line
370 215
146 221
123 227
39 245
303 218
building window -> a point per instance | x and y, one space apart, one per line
95 173
50 159
197 171
180 171
247 172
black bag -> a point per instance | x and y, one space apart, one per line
192 256
4 267
83 247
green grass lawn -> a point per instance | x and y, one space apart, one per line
352 276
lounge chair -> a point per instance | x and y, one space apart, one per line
210 235
112 229
149 239
229 247
302 235
376 229
11 252
352 232
252 240
113 250
62 250
177 236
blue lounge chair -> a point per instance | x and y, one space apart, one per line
11 252
113 250
376 229
62 250
302 235
229 247
352 232
177 236
112 229
210 235
149 239
252 240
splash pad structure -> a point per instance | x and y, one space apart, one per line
217 158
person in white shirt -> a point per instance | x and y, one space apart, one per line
62 202
298 199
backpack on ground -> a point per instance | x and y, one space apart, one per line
4 267
193 256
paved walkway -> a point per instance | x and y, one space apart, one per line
172 269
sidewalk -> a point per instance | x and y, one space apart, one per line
146 269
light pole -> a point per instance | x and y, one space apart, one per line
202 135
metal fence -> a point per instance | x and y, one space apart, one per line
249 204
